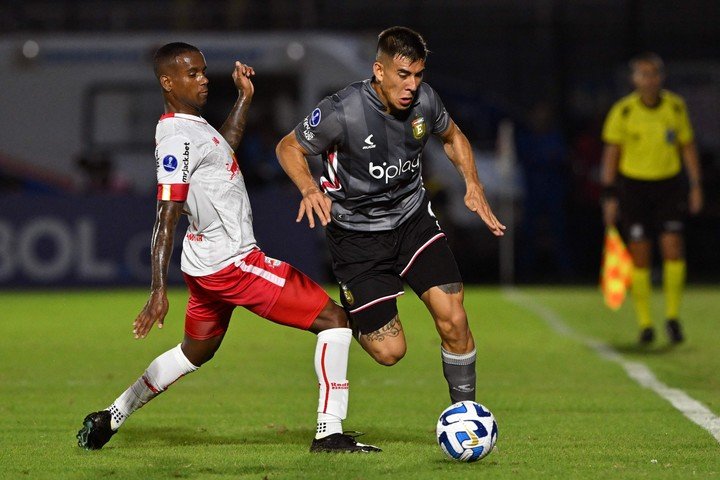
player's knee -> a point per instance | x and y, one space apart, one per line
199 358
338 318
199 352
453 326
332 316
387 353
389 357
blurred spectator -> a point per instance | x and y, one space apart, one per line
542 154
584 204
256 156
100 175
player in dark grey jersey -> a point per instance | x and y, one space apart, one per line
380 227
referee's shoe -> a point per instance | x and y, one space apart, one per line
674 331
647 336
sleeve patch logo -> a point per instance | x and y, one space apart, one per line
169 163
315 117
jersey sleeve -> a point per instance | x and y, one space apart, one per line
175 158
614 130
440 117
685 130
321 129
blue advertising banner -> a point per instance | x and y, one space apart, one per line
66 241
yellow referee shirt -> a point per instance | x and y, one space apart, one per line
649 138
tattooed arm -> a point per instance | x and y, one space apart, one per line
234 127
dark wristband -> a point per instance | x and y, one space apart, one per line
609 192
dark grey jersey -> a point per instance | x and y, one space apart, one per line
372 160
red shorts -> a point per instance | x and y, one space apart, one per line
267 287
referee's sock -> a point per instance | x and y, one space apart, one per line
641 289
673 285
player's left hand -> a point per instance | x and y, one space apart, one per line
241 76
695 200
475 201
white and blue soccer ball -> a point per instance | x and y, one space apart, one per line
467 431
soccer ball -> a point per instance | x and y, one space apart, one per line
466 431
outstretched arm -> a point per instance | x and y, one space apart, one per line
457 148
168 214
234 127
291 156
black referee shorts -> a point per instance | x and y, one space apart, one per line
370 266
651 207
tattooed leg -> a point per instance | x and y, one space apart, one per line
392 329
387 344
451 287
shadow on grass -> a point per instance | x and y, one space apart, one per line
170 466
637 349
271 435
202 436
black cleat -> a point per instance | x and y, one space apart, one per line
96 431
647 336
674 331
341 442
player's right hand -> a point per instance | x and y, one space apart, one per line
315 202
610 211
154 311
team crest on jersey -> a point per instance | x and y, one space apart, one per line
347 294
418 127
232 167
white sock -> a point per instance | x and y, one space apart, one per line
331 360
160 374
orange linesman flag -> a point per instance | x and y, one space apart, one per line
616 271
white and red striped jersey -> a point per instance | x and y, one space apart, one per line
197 166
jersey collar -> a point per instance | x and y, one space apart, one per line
661 98
184 116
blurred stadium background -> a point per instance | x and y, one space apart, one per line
528 81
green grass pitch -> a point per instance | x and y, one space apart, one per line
563 411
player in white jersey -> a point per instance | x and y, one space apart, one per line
220 230
223 267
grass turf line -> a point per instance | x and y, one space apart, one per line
562 411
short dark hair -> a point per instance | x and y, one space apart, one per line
647 57
168 52
403 42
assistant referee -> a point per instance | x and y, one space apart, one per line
648 137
